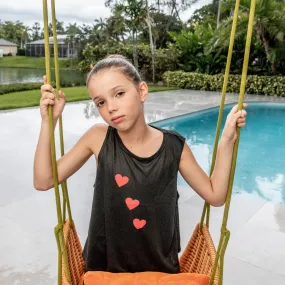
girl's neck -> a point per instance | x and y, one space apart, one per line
137 134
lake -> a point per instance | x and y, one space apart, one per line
10 75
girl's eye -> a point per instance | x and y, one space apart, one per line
100 104
120 94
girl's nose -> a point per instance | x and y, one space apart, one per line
112 106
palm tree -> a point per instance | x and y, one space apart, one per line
100 24
149 22
216 4
134 12
36 31
269 28
25 36
116 27
98 31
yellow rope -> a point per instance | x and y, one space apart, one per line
59 227
225 234
66 201
206 209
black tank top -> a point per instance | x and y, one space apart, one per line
134 225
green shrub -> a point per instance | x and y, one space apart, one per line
9 88
261 85
21 52
17 87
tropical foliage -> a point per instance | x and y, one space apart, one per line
152 35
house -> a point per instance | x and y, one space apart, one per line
8 48
66 49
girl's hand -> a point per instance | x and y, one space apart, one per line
49 98
234 119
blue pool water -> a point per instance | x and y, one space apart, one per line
261 157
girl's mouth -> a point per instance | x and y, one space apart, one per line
117 119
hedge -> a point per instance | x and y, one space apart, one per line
261 85
17 87
21 52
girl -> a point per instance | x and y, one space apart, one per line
134 223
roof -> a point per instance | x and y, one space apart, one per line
6 43
60 40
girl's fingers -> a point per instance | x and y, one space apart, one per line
47 102
241 120
48 95
47 87
234 118
234 110
237 117
45 79
61 95
243 113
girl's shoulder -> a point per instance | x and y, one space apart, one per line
174 142
174 135
95 137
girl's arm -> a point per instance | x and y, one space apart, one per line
90 143
214 189
66 165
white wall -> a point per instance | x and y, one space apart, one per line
9 49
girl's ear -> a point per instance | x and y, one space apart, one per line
143 89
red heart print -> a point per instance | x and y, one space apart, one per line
121 180
131 204
139 223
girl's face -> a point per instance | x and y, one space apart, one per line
118 99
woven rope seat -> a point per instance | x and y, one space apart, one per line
198 256
74 254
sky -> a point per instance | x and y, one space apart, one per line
68 11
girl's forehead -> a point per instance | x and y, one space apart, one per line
109 74
108 79
103 88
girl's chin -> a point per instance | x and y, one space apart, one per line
123 127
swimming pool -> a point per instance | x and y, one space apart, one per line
261 158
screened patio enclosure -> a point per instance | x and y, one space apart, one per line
66 49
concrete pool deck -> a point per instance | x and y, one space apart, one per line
256 250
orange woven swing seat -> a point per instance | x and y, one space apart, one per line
199 254
196 264
74 254
144 278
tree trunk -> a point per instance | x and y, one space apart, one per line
219 13
169 22
261 32
267 50
151 42
135 53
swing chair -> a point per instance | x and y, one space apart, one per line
200 263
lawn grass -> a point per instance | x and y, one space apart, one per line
32 98
34 62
